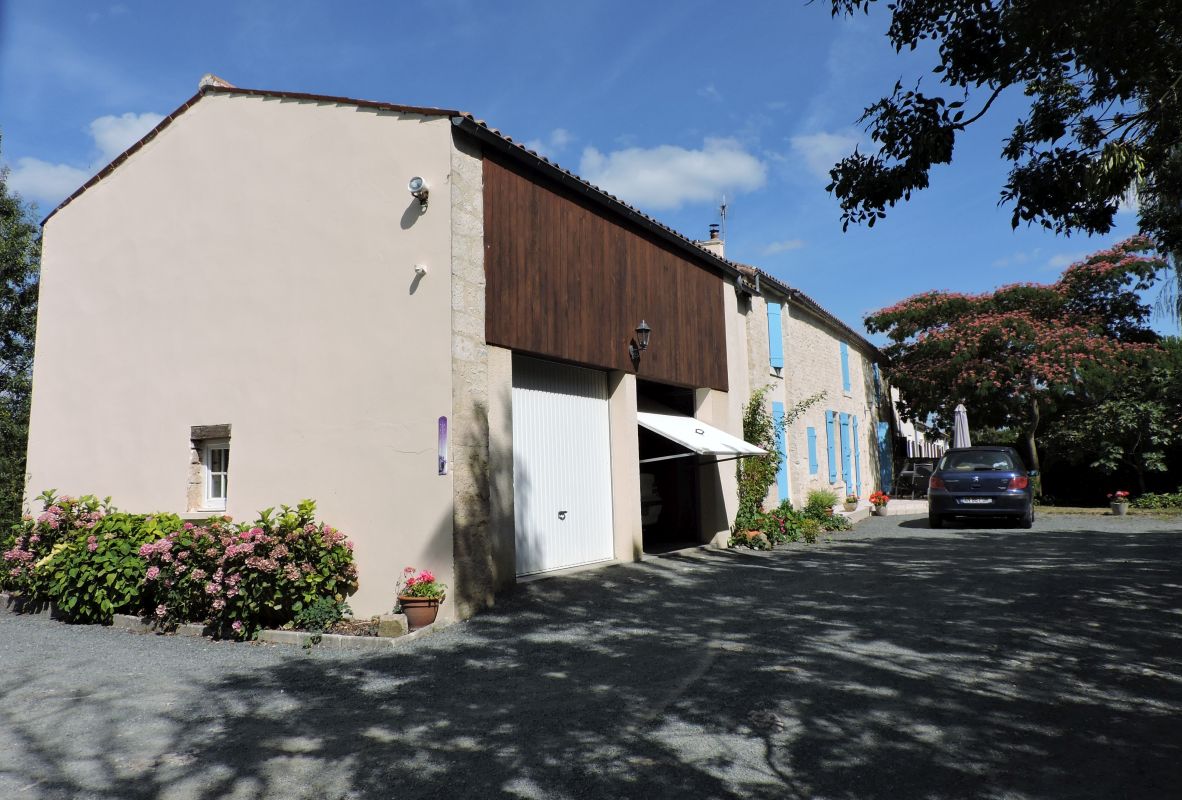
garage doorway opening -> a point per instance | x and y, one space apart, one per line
669 493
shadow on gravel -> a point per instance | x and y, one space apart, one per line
952 664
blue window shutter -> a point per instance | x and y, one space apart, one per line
857 460
775 336
782 446
831 444
812 436
845 367
877 381
885 462
844 420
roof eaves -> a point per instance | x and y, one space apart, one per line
811 305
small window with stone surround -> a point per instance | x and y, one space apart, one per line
209 467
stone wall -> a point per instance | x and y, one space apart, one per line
812 364
481 422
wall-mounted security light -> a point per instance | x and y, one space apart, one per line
420 270
640 343
418 189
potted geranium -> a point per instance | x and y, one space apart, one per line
879 500
1119 502
419 597
851 502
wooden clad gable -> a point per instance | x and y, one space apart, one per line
567 281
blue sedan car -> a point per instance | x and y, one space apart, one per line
981 482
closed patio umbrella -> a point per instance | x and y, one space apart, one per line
960 427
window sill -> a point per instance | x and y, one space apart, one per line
202 514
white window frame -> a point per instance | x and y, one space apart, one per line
208 501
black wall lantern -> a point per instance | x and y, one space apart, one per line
640 343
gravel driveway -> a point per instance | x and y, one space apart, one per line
893 662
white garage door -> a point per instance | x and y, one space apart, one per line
562 493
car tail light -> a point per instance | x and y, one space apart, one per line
936 482
1019 482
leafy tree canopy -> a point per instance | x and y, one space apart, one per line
20 252
1134 426
1105 109
1012 353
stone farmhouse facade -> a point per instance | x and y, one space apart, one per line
494 371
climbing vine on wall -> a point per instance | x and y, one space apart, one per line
756 475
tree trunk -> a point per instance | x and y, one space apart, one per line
1033 447
1139 470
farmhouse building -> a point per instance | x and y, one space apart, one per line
473 360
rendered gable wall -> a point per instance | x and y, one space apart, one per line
253 265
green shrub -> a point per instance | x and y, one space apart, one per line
243 578
820 503
99 573
1152 500
810 530
320 615
836 522
782 524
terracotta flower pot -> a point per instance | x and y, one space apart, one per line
420 611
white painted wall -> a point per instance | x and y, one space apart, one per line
253 265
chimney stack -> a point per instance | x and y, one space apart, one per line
714 244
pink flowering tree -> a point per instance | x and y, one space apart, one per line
1012 354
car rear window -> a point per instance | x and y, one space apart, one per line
978 461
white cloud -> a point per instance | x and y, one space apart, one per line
820 151
114 134
35 179
1064 260
558 140
668 176
49 183
782 247
1017 259
710 92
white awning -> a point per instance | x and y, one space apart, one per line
695 435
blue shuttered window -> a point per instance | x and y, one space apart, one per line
775 337
831 444
845 367
812 436
844 419
857 460
782 446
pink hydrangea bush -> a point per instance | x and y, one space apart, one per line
33 539
241 578
98 572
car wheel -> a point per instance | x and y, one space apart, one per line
1027 520
935 521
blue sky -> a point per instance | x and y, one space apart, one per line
668 105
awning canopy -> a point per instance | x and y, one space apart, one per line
694 435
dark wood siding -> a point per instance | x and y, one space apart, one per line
567 282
